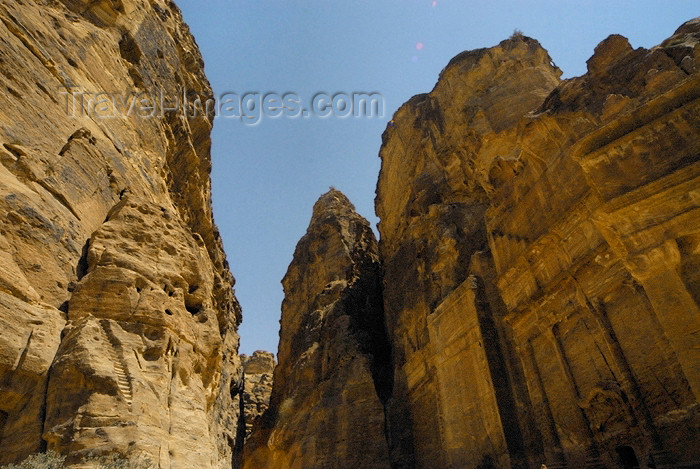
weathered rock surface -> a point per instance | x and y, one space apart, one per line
326 408
116 303
540 243
258 370
534 298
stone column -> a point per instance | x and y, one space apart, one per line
628 383
592 453
658 271
553 451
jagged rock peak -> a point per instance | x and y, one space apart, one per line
690 27
517 45
608 53
332 203
333 218
260 361
326 406
515 66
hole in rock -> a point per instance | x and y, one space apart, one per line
3 421
14 150
152 354
82 267
129 49
627 456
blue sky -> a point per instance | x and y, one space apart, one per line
266 177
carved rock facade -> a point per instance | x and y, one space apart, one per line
540 242
539 250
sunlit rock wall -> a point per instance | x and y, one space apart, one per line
116 304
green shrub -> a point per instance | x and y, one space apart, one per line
48 460
114 461
53 460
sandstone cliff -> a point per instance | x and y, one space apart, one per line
258 370
534 297
541 243
326 408
116 304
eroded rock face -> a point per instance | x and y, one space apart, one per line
258 370
540 245
326 408
116 302
433 192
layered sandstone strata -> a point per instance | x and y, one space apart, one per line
116 305
326 408
540 246
537 272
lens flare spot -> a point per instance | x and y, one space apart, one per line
419 46
414 59
434 3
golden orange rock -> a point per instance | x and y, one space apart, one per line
116 303
326 407
540 248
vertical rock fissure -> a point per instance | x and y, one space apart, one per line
500 379
3 420
382 364
81 269
44 444
365 297
371 333
241 429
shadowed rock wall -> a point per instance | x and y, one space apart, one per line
326 407
539 240
258 370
